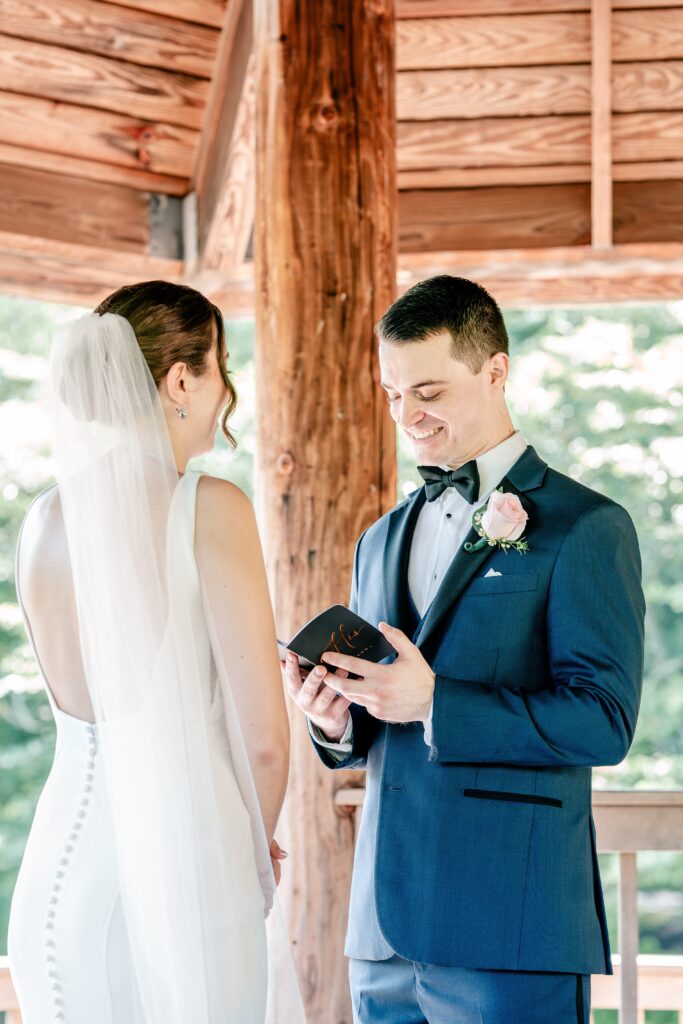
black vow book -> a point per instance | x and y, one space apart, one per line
340 630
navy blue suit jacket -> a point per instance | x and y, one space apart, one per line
480 851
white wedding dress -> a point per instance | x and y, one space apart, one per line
68 948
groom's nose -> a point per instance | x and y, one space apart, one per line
409 412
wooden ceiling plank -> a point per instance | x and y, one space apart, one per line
153 40
534 91
493 92
34 69
647 85
201 12
646 212
464 8
494 142
523 216
651 136
504 41
92 170
536 141
482 177
601 125
644 35
99 136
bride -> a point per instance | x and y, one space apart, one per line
146 894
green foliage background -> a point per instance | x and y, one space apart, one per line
596 391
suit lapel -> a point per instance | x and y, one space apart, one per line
396 556
526 474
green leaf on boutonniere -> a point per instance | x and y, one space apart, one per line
506 545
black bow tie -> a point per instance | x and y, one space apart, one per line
465 480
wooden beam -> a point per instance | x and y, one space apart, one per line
67 272
228 234
646 212
110 30
574 276
485 218
49 206
478 177
54 73
504 41
540 216
226 139
463 8
203 12
601 125
92 170
493 92
325 250
80 132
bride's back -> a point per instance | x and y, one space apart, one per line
45 589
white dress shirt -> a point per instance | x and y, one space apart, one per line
440 530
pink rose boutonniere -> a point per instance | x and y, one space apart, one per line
500 523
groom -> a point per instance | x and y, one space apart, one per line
476 897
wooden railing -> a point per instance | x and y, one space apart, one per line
626 823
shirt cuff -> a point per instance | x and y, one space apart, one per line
428 726
343 746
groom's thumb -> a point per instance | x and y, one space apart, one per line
396 637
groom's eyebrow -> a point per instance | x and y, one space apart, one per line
416 387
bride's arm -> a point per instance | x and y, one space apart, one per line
233 575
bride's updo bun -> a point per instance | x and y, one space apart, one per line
174 323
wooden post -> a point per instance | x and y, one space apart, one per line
325 249
628 938
601 124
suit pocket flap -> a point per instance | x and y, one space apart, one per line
505 584
517 798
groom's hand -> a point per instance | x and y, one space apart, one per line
400 692
321 703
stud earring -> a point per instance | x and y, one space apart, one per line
182 412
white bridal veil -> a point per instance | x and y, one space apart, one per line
188 829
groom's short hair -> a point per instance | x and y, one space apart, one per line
444 303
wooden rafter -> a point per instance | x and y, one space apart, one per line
601 125
224 171
203 12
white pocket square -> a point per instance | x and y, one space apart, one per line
492 572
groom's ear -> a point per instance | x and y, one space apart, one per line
499 369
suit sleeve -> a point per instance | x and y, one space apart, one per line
364 725
595 623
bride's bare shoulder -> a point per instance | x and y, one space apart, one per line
221 507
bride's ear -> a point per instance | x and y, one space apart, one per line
174 384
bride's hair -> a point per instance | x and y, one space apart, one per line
174 323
